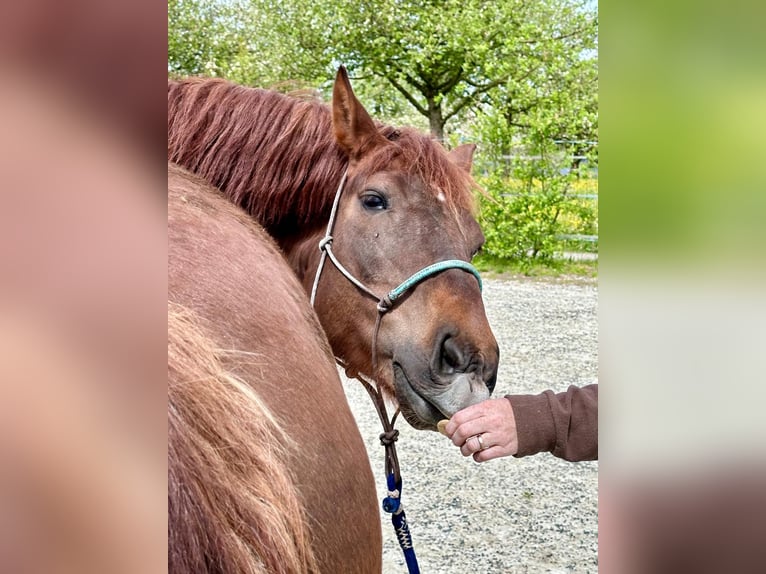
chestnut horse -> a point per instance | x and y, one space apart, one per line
267 471
403 205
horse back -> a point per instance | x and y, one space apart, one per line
224 268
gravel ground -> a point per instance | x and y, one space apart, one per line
537 514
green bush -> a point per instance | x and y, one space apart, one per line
534 206
526 219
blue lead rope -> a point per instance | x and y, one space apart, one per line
393 505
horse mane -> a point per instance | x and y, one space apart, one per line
276 156
232 504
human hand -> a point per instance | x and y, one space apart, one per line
493 421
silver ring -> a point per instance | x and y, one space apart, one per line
481 442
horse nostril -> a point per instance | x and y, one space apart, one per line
452 356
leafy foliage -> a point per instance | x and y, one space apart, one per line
529 219
441 57
206 37
541 157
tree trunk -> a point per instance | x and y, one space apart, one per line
436 120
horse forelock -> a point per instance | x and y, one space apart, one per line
276 156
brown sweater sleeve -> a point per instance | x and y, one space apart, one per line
564 424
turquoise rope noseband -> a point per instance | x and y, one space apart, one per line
392 503
426 272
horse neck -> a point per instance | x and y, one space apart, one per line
302 252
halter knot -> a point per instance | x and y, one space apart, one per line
389 437
385 304
326 240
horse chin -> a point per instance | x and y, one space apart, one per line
417 411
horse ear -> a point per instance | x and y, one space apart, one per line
354 129
462 155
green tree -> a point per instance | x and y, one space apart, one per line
209 37
442 57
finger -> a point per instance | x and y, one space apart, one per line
489 453
498 410
470 446
486 440
461 417
466 430
483 442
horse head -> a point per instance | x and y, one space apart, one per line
406 204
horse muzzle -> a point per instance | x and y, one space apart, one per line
444 387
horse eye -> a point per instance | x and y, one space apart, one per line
374 201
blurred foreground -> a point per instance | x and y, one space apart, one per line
82 310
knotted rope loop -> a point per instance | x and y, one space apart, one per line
385 304
325 242
392 504
389 437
